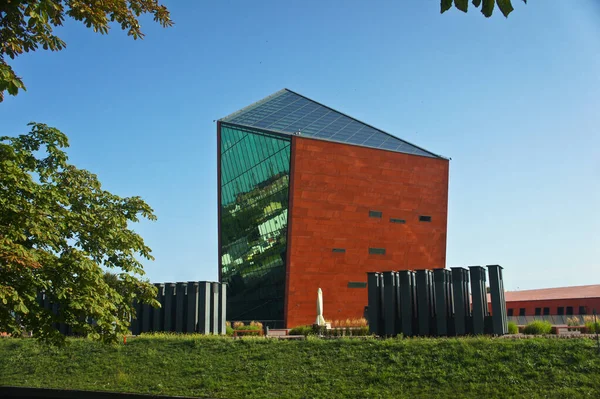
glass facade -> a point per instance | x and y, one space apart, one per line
254 189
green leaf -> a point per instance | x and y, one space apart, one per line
488 8
476 3
445 5
462 5
505 7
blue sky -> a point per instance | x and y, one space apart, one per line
514 102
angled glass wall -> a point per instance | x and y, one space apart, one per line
254 185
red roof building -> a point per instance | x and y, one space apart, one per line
562 301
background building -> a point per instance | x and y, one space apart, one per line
562 301
310 197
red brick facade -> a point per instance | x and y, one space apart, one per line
332 189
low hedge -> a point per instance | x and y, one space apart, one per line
538 327
513 328
332 332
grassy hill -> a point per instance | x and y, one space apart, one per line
257 368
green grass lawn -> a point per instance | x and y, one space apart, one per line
257 368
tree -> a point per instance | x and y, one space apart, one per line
59 232
487 6
26 25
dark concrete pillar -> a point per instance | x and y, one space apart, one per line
192 307
146 318
398 306
222 308
180 302
389 298
499 320
214 308
158 317
204 296
462 309
424 299
406 280
168 309
374 302
443 301
479 298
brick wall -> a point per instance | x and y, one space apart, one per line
589 303
333 187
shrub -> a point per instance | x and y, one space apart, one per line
362 331
302 330
538 327
349 323
256 324
513 328
247 330
238 324
592 327
228 330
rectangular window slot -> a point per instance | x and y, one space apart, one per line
538 311
375 214
582 310
377 251
569 310
510 312
339 250
356 284
561 311
546 311
424 218
392 220
522 312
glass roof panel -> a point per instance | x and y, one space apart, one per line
289 112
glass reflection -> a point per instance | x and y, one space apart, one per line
254 214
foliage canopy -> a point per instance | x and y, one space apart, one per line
26 25
59 231
487 6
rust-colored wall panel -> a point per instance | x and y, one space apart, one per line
334 187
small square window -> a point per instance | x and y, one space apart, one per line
357 284
582 310
561 311
424 218
522 312
377 251
340 250
570 310
375 214
538 311
393 220
546 311
510 312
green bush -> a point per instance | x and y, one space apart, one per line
302 330
592 327
247 330
538 327
228 330
512 328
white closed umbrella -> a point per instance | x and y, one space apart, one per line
320 319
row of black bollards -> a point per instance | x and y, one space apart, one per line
438 302
193 307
